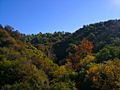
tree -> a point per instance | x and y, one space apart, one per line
80 52
108 52
104 76
85 47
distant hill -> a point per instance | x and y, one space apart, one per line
100 34
55 45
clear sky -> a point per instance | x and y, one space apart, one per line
33 16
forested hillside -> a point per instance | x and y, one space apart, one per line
102 35
88 59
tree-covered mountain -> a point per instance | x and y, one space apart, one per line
86 59
100 34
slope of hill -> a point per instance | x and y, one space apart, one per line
86 59
22 66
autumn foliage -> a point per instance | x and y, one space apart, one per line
82 50
85 47
61 61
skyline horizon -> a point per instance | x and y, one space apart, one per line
34 16
59 31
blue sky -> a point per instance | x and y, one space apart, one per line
34 16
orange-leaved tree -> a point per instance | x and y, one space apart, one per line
82 50
85 47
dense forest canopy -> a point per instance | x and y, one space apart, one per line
88 59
